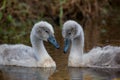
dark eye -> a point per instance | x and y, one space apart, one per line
69 33
46 31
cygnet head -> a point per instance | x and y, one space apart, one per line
71 30
44 31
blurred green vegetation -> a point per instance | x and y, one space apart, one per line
18 16
16 21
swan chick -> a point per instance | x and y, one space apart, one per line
35 56
108 56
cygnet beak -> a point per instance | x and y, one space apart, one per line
66 45
53 41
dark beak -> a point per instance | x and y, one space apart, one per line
66 45
53 41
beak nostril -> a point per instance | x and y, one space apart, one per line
53 40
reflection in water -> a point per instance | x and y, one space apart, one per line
93 74
75 73
21 73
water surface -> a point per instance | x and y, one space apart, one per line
21 73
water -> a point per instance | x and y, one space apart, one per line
21 73
93 74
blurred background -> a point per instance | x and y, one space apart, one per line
100 19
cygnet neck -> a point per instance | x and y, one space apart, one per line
38 47
76 52
77 46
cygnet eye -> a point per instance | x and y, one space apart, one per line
46 31
69 33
